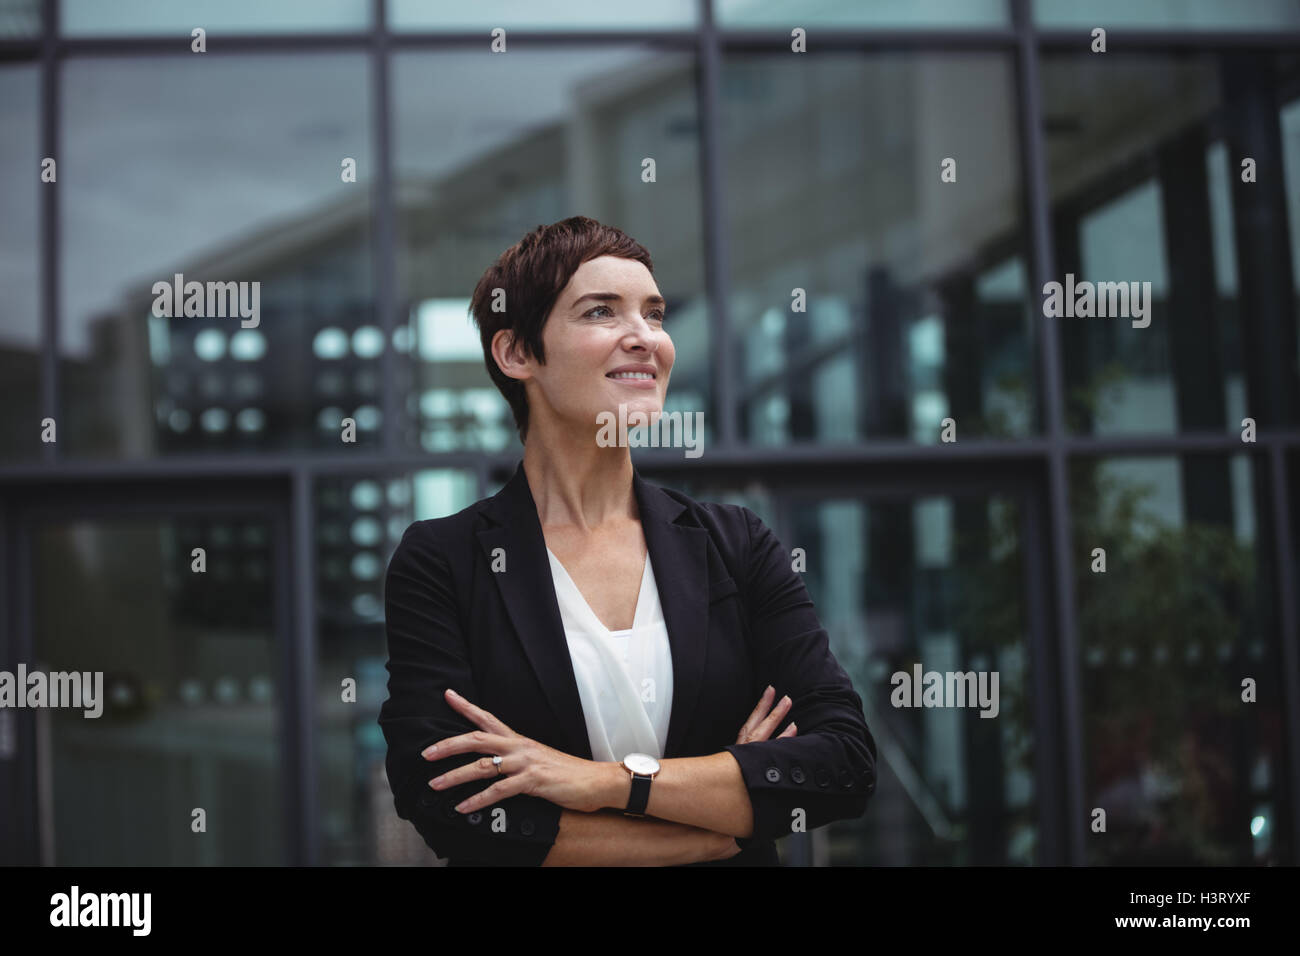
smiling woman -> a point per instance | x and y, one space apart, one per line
567 658
575 270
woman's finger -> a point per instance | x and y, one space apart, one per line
764 702
474 742
773 720
788 732
505 787
485 719
762 730
474 770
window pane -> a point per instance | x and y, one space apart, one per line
944 14
1173 269
567 135
140 17
20 18
1175 612
1174 14
20 305
359 521
931 586
189 691
242 190
486 15
869 297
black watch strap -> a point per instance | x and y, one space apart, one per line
640 796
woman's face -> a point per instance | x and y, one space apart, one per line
609 319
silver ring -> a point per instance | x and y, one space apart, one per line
497 762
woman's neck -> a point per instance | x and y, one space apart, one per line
587 489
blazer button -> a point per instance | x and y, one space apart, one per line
846 778
773 775
476 817
797 774
823 777
527 828
428 798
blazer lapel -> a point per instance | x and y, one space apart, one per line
529 595
679 558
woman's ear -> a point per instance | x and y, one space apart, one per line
509 356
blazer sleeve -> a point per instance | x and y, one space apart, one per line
427 653
828 769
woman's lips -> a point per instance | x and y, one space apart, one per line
635 382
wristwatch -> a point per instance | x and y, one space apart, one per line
643 768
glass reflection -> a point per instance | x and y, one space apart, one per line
916 14
359 522
1174 615
190 693
453 15
20 19
871 298
80 18
1183 15
1155 192
20 316
246 183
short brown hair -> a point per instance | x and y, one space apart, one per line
533 272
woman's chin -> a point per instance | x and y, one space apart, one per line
625 409
611 423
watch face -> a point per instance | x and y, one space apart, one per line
641 763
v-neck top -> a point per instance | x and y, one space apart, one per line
624 677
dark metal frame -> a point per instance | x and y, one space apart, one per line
1046 530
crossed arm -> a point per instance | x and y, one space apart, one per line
553 808
697 806
607 838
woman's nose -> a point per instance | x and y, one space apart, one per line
642 333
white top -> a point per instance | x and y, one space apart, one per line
625 678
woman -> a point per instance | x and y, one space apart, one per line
574 662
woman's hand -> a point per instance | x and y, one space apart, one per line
761 724
526 766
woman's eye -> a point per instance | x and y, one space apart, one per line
656 314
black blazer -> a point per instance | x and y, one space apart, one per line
738 618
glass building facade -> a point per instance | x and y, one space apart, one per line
1103 513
